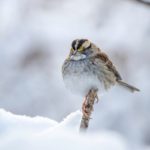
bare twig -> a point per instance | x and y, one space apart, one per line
146 3
87 109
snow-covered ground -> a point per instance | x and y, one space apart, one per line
35 37
26 133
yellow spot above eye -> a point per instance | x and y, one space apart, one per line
72 49
80 48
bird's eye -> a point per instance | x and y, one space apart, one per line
80 48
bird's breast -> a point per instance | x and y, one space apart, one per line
81 76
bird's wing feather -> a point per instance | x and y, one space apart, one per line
105 59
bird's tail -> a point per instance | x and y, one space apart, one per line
127 86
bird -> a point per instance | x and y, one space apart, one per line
88 67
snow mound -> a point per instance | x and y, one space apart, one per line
26 133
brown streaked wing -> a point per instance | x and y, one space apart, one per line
109 64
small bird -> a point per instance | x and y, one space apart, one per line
87 67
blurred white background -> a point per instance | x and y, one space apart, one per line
35 38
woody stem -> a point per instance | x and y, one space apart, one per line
87 109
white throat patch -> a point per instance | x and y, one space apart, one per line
78 57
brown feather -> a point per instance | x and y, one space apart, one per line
109 64
127 86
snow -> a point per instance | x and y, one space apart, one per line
23 132
35 38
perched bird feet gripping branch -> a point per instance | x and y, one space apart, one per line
88 68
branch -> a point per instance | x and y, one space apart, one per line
87 109
146 3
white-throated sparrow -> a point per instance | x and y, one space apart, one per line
87 67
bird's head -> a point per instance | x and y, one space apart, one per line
80 49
